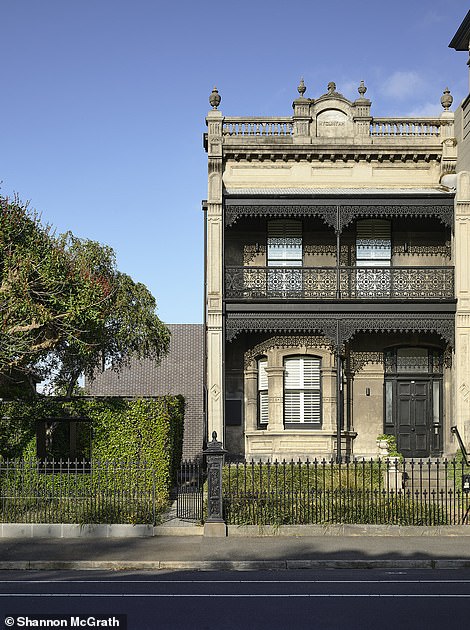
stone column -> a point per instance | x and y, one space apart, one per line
462 321
214 275
251 398
275 398
328 381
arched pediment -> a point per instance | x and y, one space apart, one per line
332 122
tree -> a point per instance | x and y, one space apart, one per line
65 307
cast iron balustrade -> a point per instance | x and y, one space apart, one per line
355 283
388 491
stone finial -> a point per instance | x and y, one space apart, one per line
331 87
214 98
446 99
362 89
301 88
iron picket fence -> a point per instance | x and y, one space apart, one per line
190 491
93 491
390 491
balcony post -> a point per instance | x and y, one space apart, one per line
339 394
338 254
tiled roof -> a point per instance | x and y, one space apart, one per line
180 372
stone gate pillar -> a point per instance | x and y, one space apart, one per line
215 525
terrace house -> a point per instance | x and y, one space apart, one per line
337 293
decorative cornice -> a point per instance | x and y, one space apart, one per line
340 330
287 341
347 213
358 359
266 151
297 323
327 213
443 325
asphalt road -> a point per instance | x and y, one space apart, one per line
257 600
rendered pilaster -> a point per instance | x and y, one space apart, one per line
462 291
214 288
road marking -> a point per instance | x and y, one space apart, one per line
233 595
118 581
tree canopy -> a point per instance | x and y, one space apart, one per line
65 308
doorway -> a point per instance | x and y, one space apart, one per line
413 400
412 417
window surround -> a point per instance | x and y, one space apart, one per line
275 355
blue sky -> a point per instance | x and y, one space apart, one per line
104 102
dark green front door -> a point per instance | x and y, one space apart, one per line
413 417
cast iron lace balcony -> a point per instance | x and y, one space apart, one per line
355 283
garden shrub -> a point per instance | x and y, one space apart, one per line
136 449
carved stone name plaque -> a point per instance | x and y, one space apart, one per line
332 123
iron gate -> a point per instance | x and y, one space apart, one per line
190 491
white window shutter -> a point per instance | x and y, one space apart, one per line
263 391
284 243
263 408
312 407
302 390
373 242
262 374
293 373
292 407
311 374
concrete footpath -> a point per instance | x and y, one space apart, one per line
340 547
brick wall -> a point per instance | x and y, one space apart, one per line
181 372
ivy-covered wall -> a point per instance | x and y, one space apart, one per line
143 430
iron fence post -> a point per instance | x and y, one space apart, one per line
214 525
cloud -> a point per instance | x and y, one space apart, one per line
400 85
432 17
349 89
426 109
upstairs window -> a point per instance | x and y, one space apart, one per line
302 391
284 243
373 243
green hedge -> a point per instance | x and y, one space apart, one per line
348 506
325 492
298 477
136 450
